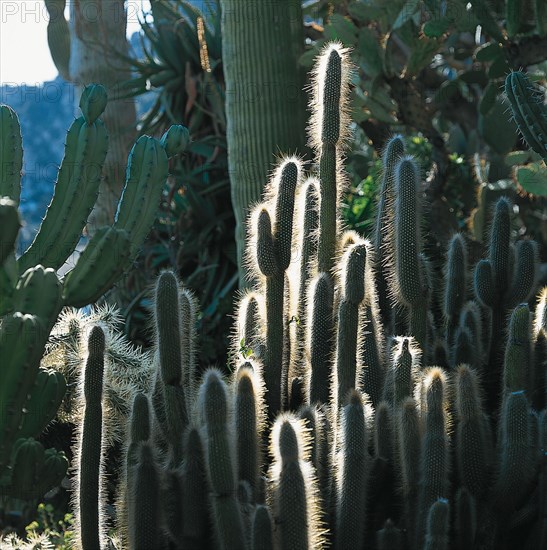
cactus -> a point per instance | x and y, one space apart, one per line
364 457
213 403
528 110
294 490
353 469
89 503
31 292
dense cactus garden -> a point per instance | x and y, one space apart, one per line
374 401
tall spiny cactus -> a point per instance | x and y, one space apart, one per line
393 151
352 474
410 279
406 488
214 405
89 496
293 492
273 243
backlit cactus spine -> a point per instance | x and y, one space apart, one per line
272 256
293 492
410 277
89 497
214 407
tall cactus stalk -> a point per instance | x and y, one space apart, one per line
264 104
90 520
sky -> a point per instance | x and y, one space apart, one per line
24 52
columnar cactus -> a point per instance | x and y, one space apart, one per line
363 457
90 449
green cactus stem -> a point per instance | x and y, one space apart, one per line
11 154
89 499
213 402
353 469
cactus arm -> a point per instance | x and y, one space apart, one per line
58 36
146 175
22 342
11 154
525 273
438 524
528 109
45 398
435 451
327 127
144 500
353 274
248 425
100 265
261 538
75 193
473 450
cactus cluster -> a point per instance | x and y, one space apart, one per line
32 291
331 431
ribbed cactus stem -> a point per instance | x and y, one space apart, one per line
328 125
168 323
352 474
308 224
76 190
188 315
287 180
409 439
438 525
410 278
466 519
390 537
499 244
518 351
463 349
144 502
90 528
353 282
319 337
371 354
514 471
525 273
403 365
470 318
455 292
248 424
195 505
473 439
214 409
393 151
11 154
434 464
261 537
294 492
139 426
383 432
528 110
